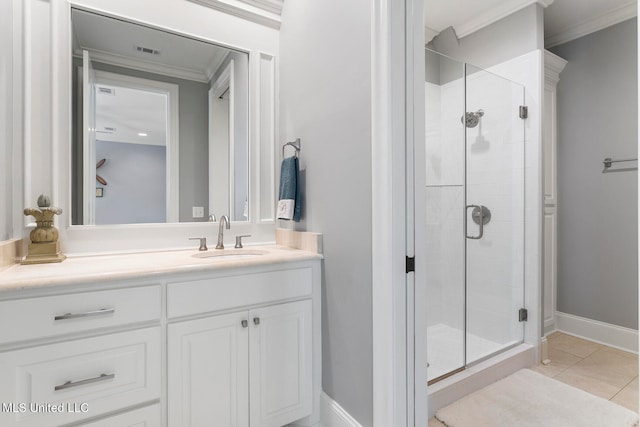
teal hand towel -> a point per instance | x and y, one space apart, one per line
289 206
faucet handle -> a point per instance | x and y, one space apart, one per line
212 218
203 242
239 240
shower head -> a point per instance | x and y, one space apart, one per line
471 119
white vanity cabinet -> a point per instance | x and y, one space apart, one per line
249 368
204 344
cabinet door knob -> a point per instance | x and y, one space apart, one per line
244 323
256 321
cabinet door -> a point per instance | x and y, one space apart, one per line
208 372
280 344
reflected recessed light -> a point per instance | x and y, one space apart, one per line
142 134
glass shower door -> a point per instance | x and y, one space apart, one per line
474 218
444 228
494 213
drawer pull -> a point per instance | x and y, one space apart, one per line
256 321
100 312
71 384
244 323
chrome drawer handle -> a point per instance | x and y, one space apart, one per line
100 312
71 384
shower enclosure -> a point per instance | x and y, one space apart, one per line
475 214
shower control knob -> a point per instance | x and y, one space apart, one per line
476 214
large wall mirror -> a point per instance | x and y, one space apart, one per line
160 125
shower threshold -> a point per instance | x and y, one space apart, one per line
445 376
446 348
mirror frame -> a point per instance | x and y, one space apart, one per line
183 18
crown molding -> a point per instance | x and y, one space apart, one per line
215 65
150 67
429 34
273 6
553 66
612 17
504 9
553 62
246 9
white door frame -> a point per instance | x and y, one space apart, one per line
417 402
397 42
88 140
224 83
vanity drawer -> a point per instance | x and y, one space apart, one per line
148 416
65 314
202 296
84 378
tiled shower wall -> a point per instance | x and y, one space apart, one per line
445 203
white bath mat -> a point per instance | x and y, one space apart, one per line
530 399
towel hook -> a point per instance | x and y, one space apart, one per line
295 144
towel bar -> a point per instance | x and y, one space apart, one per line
608 161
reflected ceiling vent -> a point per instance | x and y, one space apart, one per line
147 50
103 90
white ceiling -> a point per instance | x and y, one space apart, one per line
131 112
564 19
114 41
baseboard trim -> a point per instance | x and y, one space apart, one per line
333 415
600 332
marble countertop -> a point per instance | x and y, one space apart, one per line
102 268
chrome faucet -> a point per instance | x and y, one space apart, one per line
223 219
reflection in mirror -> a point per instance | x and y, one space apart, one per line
160 129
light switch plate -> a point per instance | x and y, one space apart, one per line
198 211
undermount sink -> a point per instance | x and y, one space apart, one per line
230 253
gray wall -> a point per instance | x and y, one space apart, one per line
136 176
597 212
6 120
194 138
325 100
508 38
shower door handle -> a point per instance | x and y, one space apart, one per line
480 222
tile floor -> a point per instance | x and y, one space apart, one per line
604 371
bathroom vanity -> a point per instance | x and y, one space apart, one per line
163 339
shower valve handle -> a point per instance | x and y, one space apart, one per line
480 220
